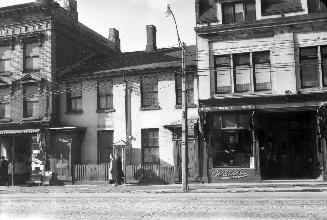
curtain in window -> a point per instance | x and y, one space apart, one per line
309 67
76 96
32 56
223 74
5 56
242 72
262 72
239 12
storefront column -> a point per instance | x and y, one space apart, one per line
256 155
324 151
205 167
13 161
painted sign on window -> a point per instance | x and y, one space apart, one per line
228 174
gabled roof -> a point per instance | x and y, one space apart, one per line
274 7
133 62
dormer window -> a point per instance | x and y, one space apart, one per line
238 12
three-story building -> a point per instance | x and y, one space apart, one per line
263 75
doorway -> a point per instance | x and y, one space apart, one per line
287 142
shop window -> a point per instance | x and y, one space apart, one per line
31 101
4 102
105 145
105 95
5 58
74 97
150 146
149 92
238 12
324 64
262 71
32 57
242 72
223 74
189 88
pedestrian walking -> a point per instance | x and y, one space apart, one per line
120 173
113 170
4 165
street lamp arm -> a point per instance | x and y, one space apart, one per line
170 12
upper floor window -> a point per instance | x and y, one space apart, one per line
189 88
74 97
4 102
315 6
32 57
105 95
31 101
245 74
5 57
150 145
149 92
238 11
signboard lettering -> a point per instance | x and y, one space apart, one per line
228 174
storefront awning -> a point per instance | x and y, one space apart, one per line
227 108
17 132
178 123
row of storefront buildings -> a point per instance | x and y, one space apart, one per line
256 88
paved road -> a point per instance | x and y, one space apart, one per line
294 205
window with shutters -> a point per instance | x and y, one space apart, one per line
149 92
262 71
189 88
246 72
74 97
105 145
105 95
4 102
32 57
236 12
5 58
31 101
150 145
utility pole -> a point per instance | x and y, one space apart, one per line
182 45
184 123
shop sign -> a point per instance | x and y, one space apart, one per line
228 174
228 108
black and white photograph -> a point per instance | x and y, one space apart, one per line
163 109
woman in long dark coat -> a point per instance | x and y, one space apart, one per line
4 165
120 173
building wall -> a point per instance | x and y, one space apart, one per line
115 121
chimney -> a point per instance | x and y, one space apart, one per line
114 37
151 38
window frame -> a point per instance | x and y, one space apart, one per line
106 95
316 57
145 92
34 100
245 5
248 64
189 88
147 146
254 70
5 102
229 66
25 57
76 98
5 60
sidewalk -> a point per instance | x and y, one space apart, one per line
303 186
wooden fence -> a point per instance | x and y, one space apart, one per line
134 173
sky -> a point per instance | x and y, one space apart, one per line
130 17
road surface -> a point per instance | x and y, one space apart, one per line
251 205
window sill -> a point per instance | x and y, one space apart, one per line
31 119
105 110
74 112
312 89
150 108
31 71
5 120
192 105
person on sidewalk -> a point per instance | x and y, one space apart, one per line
113 171
120 173
4 165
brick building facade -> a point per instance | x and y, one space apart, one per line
263 79
38 41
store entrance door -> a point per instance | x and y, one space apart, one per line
287 142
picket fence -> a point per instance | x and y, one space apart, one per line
97 173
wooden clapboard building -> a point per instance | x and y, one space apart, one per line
263 76
38 40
